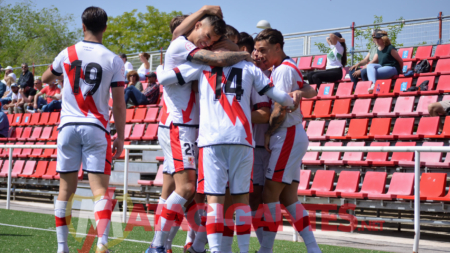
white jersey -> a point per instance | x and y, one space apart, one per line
180 103
288 78
91 70
259 130
226 110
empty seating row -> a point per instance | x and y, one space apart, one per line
158 179
376 159
139 115
34 119
32 134
140 133
32 169
401 186
30 152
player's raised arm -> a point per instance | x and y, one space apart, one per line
190 21
219 59
182 74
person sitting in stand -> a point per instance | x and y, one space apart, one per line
15 97
49 92
133 85
149 96
55 104
4 125
144 69
336 59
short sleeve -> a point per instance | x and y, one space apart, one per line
258 101
183 49
118 79
44 90
188 72
284 79
260 82
57 65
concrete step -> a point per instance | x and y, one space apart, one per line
117 177
137 166
150 156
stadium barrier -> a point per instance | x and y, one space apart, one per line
415 149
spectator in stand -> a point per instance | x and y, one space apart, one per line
336 60
149 96
387 63
9 72
355 71
55 103
26 77
127 65
6 98
41 100
144 69
2 87
15 97
27 98
152 90
441 108
133 86
4 125
48 92
233 34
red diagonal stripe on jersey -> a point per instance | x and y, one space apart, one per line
240 113
300 83
164 112
285 153
190 106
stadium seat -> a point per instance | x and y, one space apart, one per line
151 115
5 152
139 115
17 151
357 129
341 107
54 136
127 132
404 159
26 152
36 153
345 72
25 134
159 158
138 131
129 116
46 134
10 118
427 126
348 182
16 132
403 105
423 52
51 171
54 118
442 68
432 185
151 133
360 109
44 118
374 183
159 177
442 51
320 61
335 128
36 134
422 106
401 184
111 118
326 91
145 182
305 106
5 167
401 85
315 130
122 155
420 80
406 67
323 181
361 90
433 159
331 156
443 85
384 86
304 63
25 119
35 119
305 177
344 90
379 158
445 130
312 158
80 173
405 53
402 126
18 168
28 170
382 105
41 168
322 109
379 126
17 119
48 152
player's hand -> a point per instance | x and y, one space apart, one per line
356 73
213 10
297 97
249 58
117 148
267 142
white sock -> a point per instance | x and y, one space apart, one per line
301 223
269 236
157 220
102 210
61 221
201 236
259 230
190 237
227 236
174 208
243 227
214 226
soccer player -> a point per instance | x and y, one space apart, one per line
90 70
225 137
178 128
286 140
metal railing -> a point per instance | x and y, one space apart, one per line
127 148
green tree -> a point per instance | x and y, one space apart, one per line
139 32
33 36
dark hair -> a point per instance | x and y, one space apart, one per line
94 18
273 36
26 64
232 33
220 27
176 21
344 55
247 41
123 56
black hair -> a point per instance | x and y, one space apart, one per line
344 55
94 18
273 36
247 41
220 27
232 33
176 21
123 56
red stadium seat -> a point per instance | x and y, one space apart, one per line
443 85
326 91
320 61
48 152
36 134
17 119
46 134
17 151
51 171
405 53
127 132
28 170
111 118
25 119
122 156
139 115
54 136
403 105
382 106
331 156
433 159
44 118
129 116
305 106
80 173
304 63
401 85
402 126
341 107
315 130
420 80
442 51
360 108
351 156
16 132
406 67
5 152
374 183
361 89
422 106
305 177
54 118
344 90
26 152
404 159
427 126
138 131
323 181
151 133
422 52
345 72
432 185
41 168
377 157
401 184
357 129
10 118
442 68
35 119
336 128
312 158
36 153
159 158
384 87
151 115
379 126
18 168
25 134
5 167
322 109
159 177
445 130
348 182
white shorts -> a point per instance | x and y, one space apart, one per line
179 148
287 153
222 164
260 165
88 144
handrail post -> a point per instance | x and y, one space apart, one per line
416 201
440 27
125 185
161 58
353 42
8 194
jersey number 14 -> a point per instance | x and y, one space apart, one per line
235 74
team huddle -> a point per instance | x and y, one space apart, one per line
230 130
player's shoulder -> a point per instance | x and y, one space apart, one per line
181 44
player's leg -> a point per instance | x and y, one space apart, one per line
228 225
260 165
69 160
167 188
201 236
255 201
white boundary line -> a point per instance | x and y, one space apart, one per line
52 230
